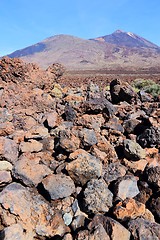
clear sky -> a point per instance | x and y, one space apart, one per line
26 22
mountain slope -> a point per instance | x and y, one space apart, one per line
127 39
79 54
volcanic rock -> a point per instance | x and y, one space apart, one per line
143 229
98 198
126 187
84 168
8 150
58 186
133 150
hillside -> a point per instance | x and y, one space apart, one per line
125 51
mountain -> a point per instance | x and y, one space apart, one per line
126 39
119 50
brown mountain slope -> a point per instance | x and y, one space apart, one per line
79 54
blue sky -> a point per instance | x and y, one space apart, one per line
26 22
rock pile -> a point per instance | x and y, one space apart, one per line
79 163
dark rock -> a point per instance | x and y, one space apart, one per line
130 125
121 92
150 137
98 105
153 175
69 113
154 205
142 229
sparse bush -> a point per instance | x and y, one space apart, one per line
148 86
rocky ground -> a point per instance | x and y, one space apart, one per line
76 163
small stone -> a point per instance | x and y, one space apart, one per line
153 175
133 151
88 137
6 128
67 217
78 222
98 198
5 178
52 119
58 186
150 137
30 146
135 166
126 187
113 171
5 166
129 209
84 167
69 113
56 91
37 132
8 150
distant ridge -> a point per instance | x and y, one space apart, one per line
127 39
119 50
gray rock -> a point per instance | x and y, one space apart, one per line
67 217
113 171
98 198
126 187
8 150
84 168
5 178
58 186
144 230
88 137
133 151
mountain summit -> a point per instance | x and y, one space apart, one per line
115 51
127 39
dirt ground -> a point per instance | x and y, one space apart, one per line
103 78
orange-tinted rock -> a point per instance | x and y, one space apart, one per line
30 146
29 170
6 128
129 209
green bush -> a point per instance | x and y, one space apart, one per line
148 86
